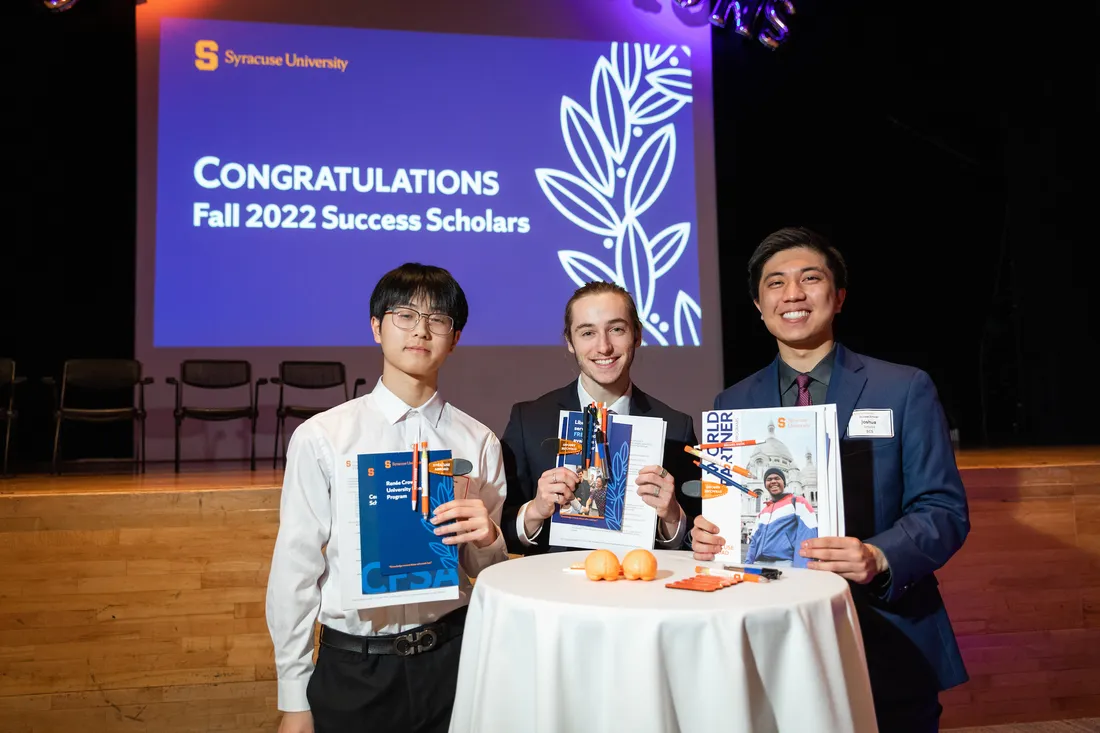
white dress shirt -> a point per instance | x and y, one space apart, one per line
620 406
304 585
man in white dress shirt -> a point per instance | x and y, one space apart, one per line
374 672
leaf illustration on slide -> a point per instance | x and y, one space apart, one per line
654 106
667 247
616 491
584 268
634 265
650 171
673 81
636 90
579 202
587 147
610 109
626 62
653 333
655 55
687 318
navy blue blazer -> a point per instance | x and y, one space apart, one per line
903 495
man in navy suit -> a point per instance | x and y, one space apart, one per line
602 331
905 509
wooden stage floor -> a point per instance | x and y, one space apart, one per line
136 602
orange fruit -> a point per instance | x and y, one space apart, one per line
639 565
602 565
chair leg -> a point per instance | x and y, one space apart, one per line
178 421
252 458
7 443
143 444
57 447
284 446
275 450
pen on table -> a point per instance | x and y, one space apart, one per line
771 573
729 467
747 577
727 479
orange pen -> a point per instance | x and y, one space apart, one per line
424 491
416 477
728 444
728 466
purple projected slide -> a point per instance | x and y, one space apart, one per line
297 164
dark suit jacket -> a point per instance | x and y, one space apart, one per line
527 456
903 495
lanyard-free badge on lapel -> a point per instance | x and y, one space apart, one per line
871 424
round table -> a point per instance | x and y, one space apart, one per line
548 651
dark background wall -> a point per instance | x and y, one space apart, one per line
942 149
945 152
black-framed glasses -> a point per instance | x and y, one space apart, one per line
407 319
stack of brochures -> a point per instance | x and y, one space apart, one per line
771 479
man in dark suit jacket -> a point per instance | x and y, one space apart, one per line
905 508
602 331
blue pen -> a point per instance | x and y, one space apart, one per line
771 573
725 479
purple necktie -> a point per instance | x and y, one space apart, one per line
803 400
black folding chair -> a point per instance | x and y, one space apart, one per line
86 382
216 374
312 375
8 415
355 390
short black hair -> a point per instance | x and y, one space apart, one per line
792 238
414 281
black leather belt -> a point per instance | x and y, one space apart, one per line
414 641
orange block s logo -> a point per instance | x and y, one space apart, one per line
387 464
206 55
370 471
781 422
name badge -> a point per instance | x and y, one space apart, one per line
871 424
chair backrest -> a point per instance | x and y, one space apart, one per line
215 373
101 374
313 374
98 383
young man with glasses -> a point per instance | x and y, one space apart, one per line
602 331
364 677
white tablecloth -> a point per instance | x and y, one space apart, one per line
547 651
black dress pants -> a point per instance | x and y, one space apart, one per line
379 693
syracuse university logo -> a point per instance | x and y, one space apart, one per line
206 55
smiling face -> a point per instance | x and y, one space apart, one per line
775 485
602 337
798 298
418 353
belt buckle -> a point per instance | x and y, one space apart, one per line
407 645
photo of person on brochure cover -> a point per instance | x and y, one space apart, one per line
580 496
